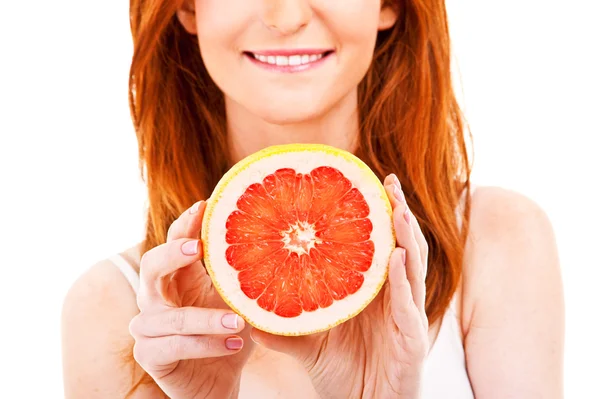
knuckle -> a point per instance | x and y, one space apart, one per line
146 262
176 226
135 326
140 353
173 229
170 231
424 245
178 318
206 343
213 321
146 257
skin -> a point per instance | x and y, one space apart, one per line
510 301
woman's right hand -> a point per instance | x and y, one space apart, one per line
186 337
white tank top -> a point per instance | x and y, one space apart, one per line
445 373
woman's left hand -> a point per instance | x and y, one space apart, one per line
379 353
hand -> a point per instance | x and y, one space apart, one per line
379 353
186 337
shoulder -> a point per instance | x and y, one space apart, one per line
510 240
96 290
499 213
101 286
96 343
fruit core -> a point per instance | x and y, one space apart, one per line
300 238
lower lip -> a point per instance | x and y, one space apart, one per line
289 68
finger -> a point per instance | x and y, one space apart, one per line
186 321
389 179
161 261
393 190
416 271
421 242
397 198
188 223
389 189
405 313
302 348
154 353
406 239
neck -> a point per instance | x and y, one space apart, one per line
248 133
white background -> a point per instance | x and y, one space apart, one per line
70 192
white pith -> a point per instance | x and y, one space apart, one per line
302 162
300 238
283 60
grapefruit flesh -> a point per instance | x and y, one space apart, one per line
297 238
300 241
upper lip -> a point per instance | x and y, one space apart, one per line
289 52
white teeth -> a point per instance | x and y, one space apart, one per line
293 60
283 60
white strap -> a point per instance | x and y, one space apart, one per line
127 270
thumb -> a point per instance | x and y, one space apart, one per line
303 348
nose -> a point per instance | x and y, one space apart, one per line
286 16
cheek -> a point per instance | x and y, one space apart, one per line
351 18
220 24
353 25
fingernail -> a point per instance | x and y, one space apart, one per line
396 181
407 215
190 247
403 252
230 320
399 194
234 343
195 207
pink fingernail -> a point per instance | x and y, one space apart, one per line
234 343
396 181
195 207
403 252
190 247
230 320
407 216
399 194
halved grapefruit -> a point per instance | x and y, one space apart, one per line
297 238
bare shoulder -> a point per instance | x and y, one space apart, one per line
511 241
497 211
508 233
513 310
97 346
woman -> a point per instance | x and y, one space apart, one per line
213 81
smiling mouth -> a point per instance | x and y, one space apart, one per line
289 59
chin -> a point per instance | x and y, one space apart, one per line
288 114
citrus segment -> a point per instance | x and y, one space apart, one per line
243 256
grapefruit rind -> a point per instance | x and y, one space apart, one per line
303 158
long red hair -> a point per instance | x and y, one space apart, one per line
410 125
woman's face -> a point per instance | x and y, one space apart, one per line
287 60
